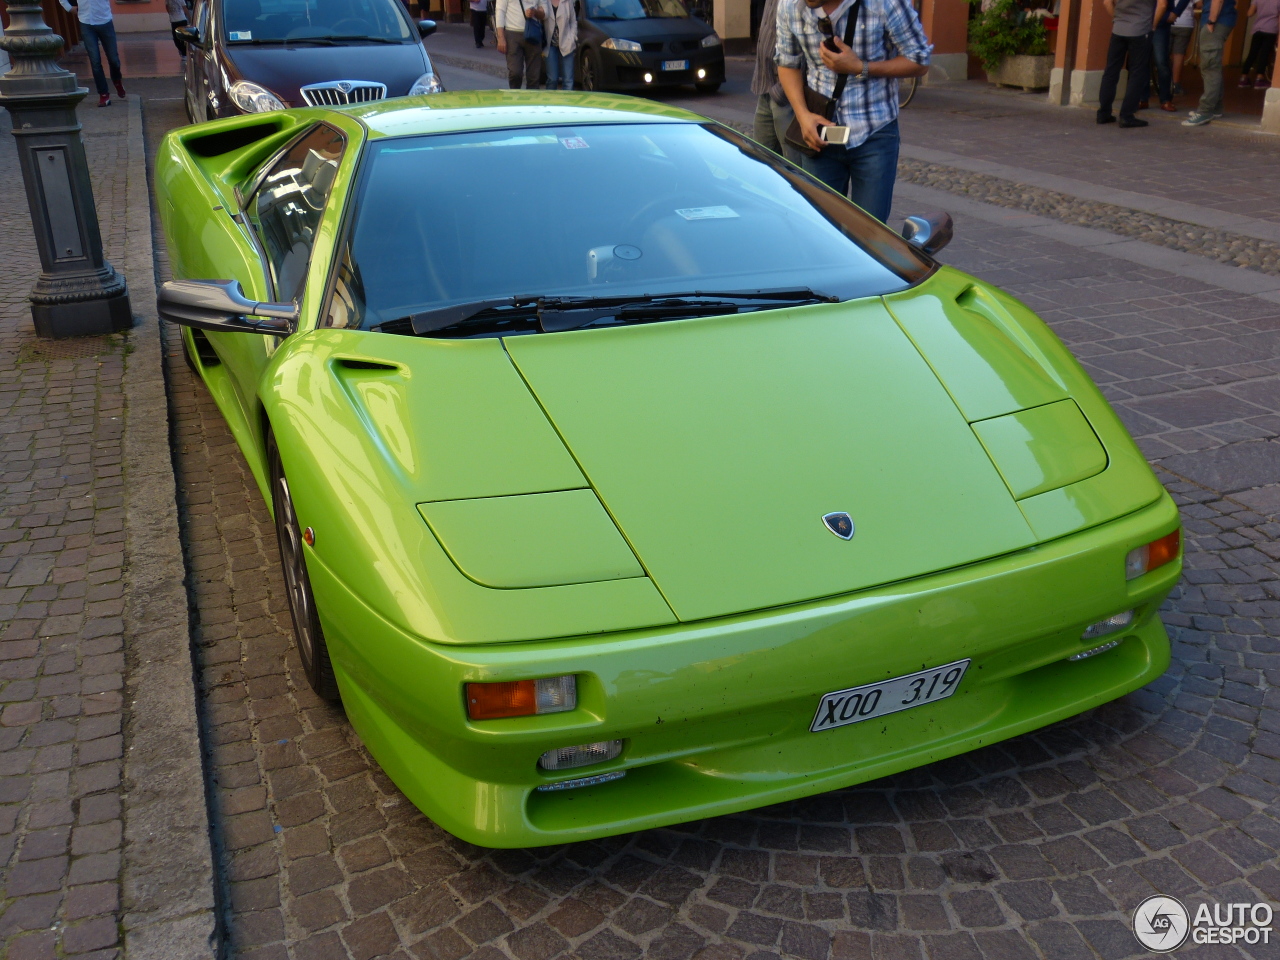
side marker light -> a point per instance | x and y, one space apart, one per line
1155 554
521 698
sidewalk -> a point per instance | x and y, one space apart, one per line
104 841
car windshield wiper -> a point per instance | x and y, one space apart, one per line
556 314
364 38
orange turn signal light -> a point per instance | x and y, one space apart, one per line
1155 554
521 698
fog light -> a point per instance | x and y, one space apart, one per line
521 698
1109 625
702 74
582 781
648 78
1086 654
564 758
1157 553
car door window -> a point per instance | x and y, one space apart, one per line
202 20
286 207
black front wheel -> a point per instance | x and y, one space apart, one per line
590 71
307 634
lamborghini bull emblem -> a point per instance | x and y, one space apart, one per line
841 524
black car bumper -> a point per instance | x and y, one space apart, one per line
636 71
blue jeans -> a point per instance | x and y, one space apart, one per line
865 173
105 34
558 63
1161 47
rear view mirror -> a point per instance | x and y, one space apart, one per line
221 306
426 28
930 233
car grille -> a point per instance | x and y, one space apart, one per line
336 93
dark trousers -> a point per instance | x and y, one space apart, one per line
1262 50
1161 52
1137 50
865 173
104 34
479 20
177 40
524 61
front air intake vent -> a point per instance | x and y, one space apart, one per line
339 93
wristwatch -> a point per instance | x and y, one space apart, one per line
866 71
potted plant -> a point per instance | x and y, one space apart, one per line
1012 43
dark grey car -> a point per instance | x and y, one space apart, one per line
638 44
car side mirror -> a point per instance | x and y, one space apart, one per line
221 306
930 233
188 35
426 28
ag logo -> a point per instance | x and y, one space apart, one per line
1161 924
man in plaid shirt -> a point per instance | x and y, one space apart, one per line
888 43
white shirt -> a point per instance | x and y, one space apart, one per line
93 12
510 13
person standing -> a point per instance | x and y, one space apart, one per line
1184 26
773 111
479 20
1216 20
1161 53
562 44
96 27
888 42
1132 22
177 10
1262 49
524 57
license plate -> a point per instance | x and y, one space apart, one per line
888 696
675 64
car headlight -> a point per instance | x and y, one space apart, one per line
711 40
252 98
628 46
427 83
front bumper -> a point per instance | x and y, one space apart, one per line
626 71
715 715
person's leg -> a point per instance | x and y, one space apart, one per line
108 34
762 127
830 167
1181 40
1247 65
89 36
782 117
566 67
553 67
533 73
1161 47
873 168
1139 75
1111 75
479 19
515 58
1211 45
1268 57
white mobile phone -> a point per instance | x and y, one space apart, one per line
835 134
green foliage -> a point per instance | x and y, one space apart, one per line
1005 30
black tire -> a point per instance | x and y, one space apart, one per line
186 355
589 71
707 88
307 635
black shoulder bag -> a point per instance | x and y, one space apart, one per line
816 102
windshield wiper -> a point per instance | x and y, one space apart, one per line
556 314
365 37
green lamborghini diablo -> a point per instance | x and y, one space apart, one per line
625 475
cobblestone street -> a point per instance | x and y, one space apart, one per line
1036 847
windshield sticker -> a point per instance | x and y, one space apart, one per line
708 213
574 143
240 34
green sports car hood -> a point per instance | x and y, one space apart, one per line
587 481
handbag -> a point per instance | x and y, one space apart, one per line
816 102
534 32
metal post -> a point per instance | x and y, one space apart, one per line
78 293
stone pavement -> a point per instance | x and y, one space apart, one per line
1038 847
103 826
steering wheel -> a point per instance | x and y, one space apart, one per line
361 26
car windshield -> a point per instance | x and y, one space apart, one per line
590 211
277 21
634 9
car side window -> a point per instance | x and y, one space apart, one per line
286 208
202 20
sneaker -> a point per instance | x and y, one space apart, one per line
1198 119
1245 82
104 100
1262 84
1106 118
1177 90
1127 123
1168 107
119 88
